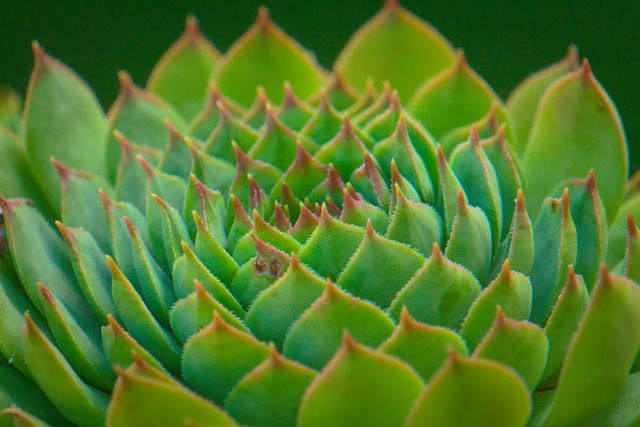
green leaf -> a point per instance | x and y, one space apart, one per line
524 100
330 246
455 97
511 291
624 411
79 341
81 203
155 284
345 151
141 324
143 383
477 176
25 419
191 314
555 249
576 121
417 224
472 392
440 293
79 402
368 274
520 345
593 375
265 56
13 304
182 75
140 117
276 144
40 255
422 346
521 246
187 268
275 309
470 240
217 357
74 134
590 221
17 390
397 47
316 336
564 321
16 177
120 347
293 113
253 401
347 394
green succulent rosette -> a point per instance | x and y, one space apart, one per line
254 240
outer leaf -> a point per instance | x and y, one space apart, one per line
316 336
397 47
472 392
265 56
524 100
80 403
576 120
253 401
453 98
182 74
217 357
519 345
422 346
593 374
167 402
347 394
74 134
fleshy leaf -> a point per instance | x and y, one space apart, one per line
511 291
191 314
330 246
416 224
422 346
182 75
519 345
40 255
576 120
564 321
346 394
253 401
79 402
74 134
521 246
455 97
591 370
316 336
524 100
140 117
470 240
217 357
274 311
555 249
472 392
397 47
140 322
440 293
477 176
142 382
265 56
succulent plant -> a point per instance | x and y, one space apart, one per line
253 240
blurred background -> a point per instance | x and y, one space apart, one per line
503 41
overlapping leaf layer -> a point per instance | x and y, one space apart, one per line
255 241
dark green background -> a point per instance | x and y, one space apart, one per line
504 41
